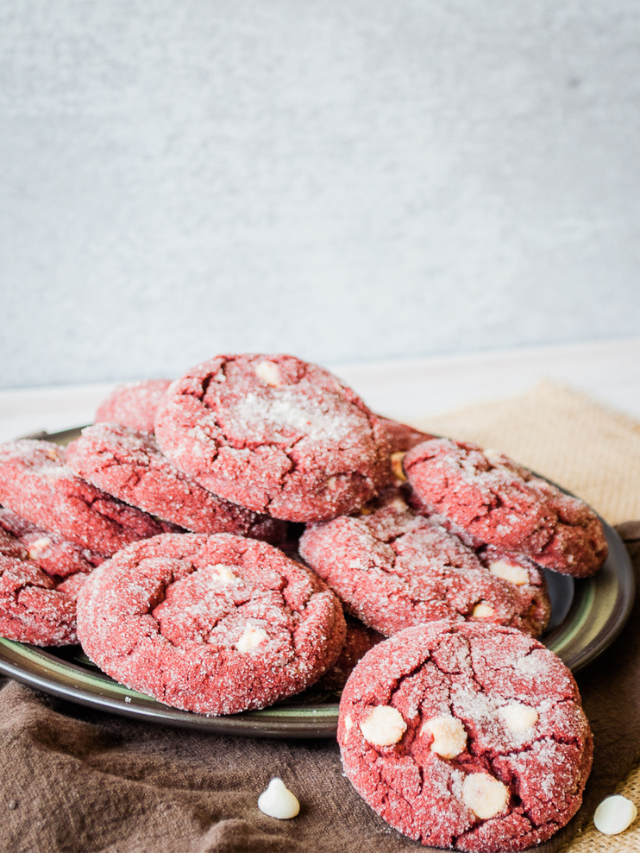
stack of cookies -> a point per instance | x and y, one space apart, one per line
204 538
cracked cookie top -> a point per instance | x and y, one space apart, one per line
498 502
274 434
466 735
214 624
36 484
129 465
33 607
393 568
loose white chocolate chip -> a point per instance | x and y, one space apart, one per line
269 373
278 801
614 815
518 717
251 638
449 736
396 465
36 548
223 573
482 611
384 726
484 795
509 572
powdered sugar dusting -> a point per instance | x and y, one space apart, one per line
394 568
129 465
36 484
528 747
213 624
502 504
287 413
305 450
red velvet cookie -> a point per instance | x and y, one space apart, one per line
36 483
129 465
359 639
10 545
51 552
401 439
133 404
393 568
500 503
213 624
274 434
32 609
466 736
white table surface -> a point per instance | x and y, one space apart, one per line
608 371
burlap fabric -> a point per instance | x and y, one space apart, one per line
78 781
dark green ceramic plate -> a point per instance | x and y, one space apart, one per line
586 616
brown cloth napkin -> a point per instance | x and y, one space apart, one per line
75 780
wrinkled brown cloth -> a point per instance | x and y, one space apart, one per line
76 780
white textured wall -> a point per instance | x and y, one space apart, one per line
343 180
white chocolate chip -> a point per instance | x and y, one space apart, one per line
511 572
398 503
36 548
348 723
223 573
396 465
614 815
278 801
449 736
251 638
269 373
384 726
484 795
493 456
482 610
518 717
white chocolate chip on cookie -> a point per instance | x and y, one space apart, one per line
518 717
384 726
449 736
269 373
36 548
511 572
223 573
482 611
251 638
484 795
